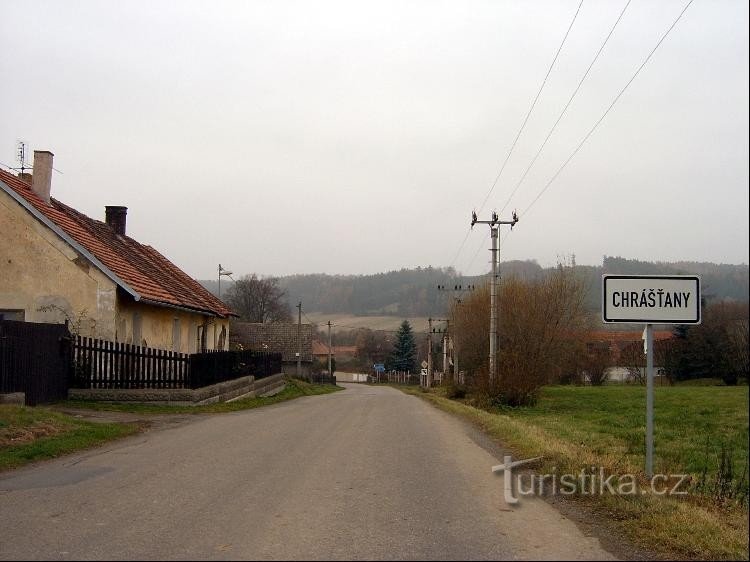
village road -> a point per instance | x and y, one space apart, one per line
367 473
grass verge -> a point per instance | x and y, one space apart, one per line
573 428
295 388
32 434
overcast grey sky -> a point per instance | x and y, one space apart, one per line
356 137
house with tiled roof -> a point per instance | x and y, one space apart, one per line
57 264
320 350
286 338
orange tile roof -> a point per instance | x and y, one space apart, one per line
320 348
144 270
606 335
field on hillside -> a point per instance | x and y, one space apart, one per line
350 322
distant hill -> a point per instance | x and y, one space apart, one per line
413 292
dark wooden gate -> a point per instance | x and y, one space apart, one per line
34 359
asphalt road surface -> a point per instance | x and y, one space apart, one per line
367 473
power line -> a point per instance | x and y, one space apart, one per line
520 130
565 109
479 249
617 97
533 104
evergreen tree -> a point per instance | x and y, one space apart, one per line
404 355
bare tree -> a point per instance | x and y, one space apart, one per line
259 300
634 360
536 320
597 360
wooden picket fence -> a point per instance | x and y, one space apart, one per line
112 365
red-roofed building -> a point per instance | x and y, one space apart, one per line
320 350
57 263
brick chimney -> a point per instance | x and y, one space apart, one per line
116 217
41 182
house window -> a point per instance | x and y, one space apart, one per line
18 315
176 335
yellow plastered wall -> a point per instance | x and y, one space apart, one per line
167 328
43 276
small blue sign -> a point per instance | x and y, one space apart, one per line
379 367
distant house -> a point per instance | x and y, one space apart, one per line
277 337
58 264
625 350
341 352
617 341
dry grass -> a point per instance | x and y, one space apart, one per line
692 528
31 434
15 435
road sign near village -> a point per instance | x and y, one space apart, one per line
379 367
651 299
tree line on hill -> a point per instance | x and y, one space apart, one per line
413 292
544 322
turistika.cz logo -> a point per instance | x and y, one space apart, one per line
588 482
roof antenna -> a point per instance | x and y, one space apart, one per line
21 155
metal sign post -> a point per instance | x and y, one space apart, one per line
648 344
658 299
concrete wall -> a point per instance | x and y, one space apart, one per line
350 377
289 368
244 387
45 278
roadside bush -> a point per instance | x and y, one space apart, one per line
455 391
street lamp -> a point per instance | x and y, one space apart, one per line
226 273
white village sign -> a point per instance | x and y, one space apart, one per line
655 299
659 299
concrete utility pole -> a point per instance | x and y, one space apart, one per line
493 306
456 372
494 228
330 373
445 348
429 353
461 289
226 273
456 369
431 331
299 341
